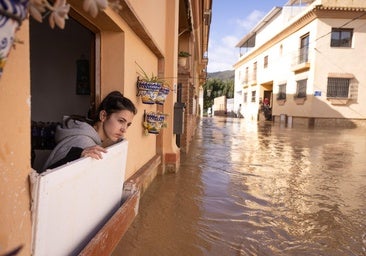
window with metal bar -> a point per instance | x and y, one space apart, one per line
301 88
281 92
338 87
304 49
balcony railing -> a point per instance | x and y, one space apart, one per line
301 61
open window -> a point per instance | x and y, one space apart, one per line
62 80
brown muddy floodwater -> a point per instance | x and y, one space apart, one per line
257 189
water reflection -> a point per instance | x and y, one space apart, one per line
258 189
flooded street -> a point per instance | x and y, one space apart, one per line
257 189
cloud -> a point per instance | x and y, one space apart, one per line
251 20
230 41
223 54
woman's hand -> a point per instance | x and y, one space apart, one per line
94 152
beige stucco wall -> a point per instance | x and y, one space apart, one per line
343 3
170 72
15 224
250 109
342 61
323 60
120 53
141 147
219 104
284 73
155 22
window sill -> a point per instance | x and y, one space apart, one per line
300 101
281 102
339 101
302 67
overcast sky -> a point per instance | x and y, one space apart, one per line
231 21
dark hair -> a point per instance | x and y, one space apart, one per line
112 103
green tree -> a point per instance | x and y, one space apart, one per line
215 87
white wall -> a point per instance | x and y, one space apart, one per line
341 61
230 105
323 60
238 88
219 104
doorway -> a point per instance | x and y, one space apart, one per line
268 95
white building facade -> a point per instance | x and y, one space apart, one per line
308 59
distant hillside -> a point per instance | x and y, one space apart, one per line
222 75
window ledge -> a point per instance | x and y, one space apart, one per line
302 67
300 101
281 102
253 82
339 101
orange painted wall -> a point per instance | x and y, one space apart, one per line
15 100
121 55
120 50
153 20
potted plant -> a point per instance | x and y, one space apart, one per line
152 89
300 98
182 58
281 98
12 13
154 122
148 86
162 94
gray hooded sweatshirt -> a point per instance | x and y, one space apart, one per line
77 134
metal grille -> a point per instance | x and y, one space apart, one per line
304 49
338 87
281 92
301 88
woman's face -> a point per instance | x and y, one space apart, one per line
115 126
